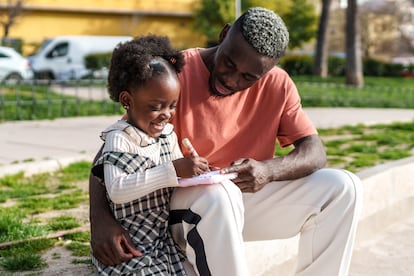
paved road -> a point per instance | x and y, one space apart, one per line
391 253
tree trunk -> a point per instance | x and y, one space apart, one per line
320 65
354 74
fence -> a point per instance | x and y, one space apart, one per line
48 100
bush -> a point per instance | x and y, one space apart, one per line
379 68
336 66
15 43
98 61
297 64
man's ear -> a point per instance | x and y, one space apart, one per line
224 32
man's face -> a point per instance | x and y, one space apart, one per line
237 65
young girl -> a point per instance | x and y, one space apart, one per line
141 158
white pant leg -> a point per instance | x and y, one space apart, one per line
324 207
215 213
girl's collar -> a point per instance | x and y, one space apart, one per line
139 137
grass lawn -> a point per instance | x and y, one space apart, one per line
43 204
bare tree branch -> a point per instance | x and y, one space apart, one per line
12 11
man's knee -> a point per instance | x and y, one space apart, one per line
347 185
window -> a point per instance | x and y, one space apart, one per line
59 50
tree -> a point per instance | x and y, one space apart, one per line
10 14
300 20
354 74
299 15
211 16
320 66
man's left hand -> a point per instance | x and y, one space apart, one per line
252 174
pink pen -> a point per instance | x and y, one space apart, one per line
187 144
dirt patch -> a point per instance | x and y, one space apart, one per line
61 262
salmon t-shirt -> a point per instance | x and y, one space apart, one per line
243 125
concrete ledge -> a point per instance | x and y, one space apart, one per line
388 198
50 165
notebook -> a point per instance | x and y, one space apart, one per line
212 177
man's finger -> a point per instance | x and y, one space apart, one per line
230 169
127 243
120 255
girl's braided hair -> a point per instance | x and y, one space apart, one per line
136 61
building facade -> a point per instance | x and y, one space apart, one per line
42 19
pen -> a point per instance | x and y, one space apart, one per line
187 144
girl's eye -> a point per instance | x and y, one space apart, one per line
155 107
173 106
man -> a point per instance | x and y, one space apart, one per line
234 104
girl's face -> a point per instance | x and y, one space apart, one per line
153 105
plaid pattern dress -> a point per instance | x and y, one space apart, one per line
145 218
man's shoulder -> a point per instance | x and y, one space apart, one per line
190 53
279 71
276 76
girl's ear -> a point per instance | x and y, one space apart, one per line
125 99
224 32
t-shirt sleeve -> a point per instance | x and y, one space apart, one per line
294 123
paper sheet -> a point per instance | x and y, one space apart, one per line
212 177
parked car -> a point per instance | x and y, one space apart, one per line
63 57
13 66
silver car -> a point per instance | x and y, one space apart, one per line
13 66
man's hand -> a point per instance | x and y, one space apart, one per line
307 156
252 174
111 243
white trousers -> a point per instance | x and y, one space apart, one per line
211 222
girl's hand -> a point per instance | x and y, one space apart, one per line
190 166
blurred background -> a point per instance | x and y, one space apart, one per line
356 53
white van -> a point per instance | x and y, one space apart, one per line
63 57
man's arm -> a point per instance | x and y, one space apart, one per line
307 156
110 243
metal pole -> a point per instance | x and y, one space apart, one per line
237 8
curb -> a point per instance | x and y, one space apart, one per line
31 168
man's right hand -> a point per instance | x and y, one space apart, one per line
111 244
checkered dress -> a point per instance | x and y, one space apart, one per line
146 219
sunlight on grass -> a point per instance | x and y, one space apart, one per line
62 223
25 256
359 147
35 205
79 249
17 186
12 226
